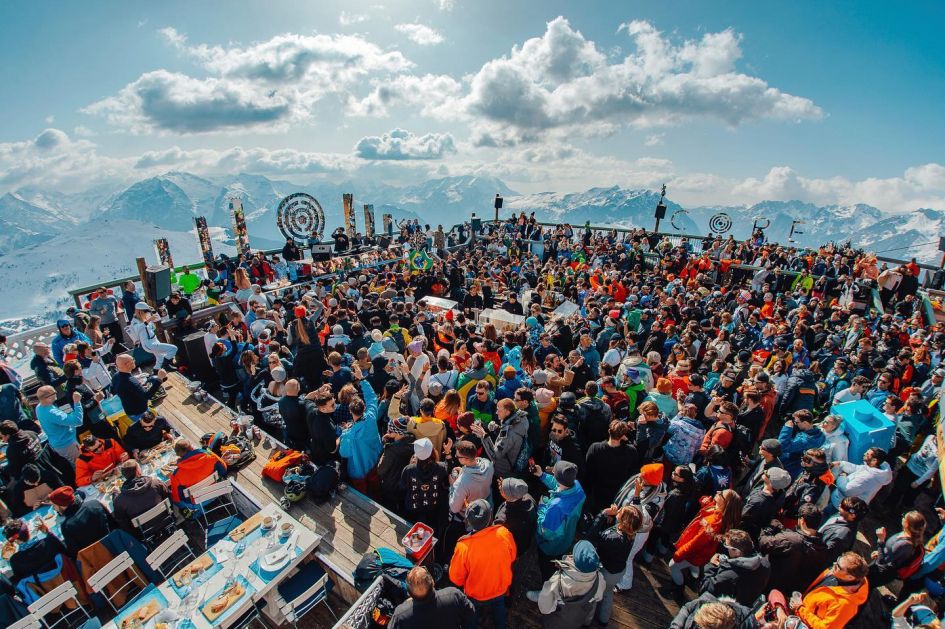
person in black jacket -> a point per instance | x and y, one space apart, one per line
738 571
84 521
812 485
134 397
563 446
31 556
398 449
30 489
428 607
839 531
25 446
518 513
675 515
609 464
147 433
323 440
292 411
612 534
763 503
798 555
425 487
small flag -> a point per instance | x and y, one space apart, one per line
420 261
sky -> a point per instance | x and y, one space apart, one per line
725 102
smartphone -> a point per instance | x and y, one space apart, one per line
531 462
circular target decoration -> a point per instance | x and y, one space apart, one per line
720 223
678 214
299 215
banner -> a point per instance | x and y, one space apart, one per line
164 253
389 224
203 241
349 214
239 225
368 221
420 261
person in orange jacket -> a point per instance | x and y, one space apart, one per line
97 458
482 562
700 539
193 465
834 597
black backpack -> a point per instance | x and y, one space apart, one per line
321 485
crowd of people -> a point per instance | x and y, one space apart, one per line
683 413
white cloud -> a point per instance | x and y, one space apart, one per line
654 139
400 144
561 82
264 85
239 159
50 119
52 158
420 34
446 5
347 19
433 95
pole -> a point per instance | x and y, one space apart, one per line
148 297
657 227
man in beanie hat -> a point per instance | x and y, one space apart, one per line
519 512
558 513
424 486
769 454
482 562
765 501
395 456
84 521
569 597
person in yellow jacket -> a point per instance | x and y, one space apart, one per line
482 562
429 426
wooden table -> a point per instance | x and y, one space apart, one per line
242 567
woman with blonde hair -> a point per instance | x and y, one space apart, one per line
244 288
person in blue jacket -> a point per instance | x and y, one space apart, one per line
558 515
360 442
798 435
67 334
509 385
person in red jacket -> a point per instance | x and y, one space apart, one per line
97 458
700 539
482 562
193 466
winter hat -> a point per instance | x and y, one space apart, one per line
435 388
377 336
652 473
565 473
64 322
779 478
633 375
540 376
62 496
278 374
478 515
138 306
509 371
465 420
567 400
416 346
514 489
585 557
544 397
772 447
397 426
299 312
423 448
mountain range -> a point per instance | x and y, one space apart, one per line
51 241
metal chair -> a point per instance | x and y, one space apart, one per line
217 514
51 605
302 592
187 492
171 555
155 524
115 569
244 616
27 622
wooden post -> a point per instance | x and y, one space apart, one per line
148 297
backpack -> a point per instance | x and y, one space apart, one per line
398 337
280 461
236 451
381 561
742 443
521 461
322 483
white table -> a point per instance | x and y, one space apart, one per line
306 540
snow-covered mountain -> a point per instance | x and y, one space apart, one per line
51 242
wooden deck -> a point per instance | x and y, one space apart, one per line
352 524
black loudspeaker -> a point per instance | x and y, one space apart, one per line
938 280
498 202
661 211
197 358
321 252
157 283
476 224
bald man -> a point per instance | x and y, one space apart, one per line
292 409
133 395
59 426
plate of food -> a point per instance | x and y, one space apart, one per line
141 613
226 598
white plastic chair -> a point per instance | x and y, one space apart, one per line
27 622
115 569
188 492
49 604
155 523
307 600
175 550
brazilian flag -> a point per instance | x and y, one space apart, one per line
420 261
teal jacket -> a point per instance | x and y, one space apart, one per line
558 515
361 443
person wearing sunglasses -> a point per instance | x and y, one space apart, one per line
99 457
834 598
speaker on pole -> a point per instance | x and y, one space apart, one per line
157 283
321 253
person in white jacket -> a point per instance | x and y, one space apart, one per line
861 481
837 445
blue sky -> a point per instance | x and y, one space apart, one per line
727 102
